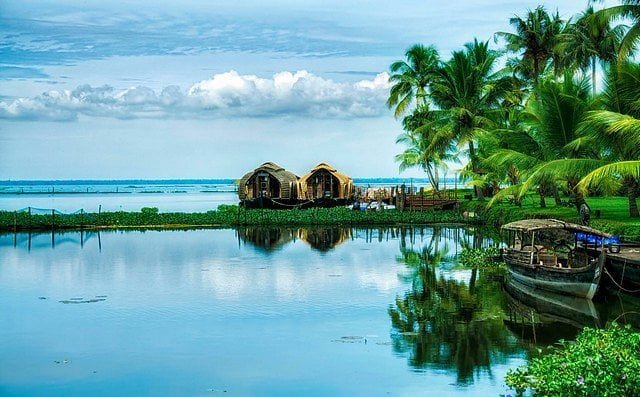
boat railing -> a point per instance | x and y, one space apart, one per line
541 256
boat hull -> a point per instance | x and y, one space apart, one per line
281 204
624 272
580 282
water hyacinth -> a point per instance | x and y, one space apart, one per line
601 362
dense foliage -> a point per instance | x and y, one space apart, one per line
599 363
537 125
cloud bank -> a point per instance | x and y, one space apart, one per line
225 95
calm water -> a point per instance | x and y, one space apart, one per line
255 312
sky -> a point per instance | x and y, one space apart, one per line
209 89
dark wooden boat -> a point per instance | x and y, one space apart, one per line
556 256
623 268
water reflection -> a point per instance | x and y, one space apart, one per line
324 238
270 238
447 322
266 238
543 317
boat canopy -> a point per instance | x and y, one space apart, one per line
531 225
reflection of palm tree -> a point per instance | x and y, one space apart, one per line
443 322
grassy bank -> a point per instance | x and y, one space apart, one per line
614 214
613 219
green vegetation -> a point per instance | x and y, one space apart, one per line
613 217
599 363
538 125
226 215
479 258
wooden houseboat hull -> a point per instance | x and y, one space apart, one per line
624 269
269 203
581 282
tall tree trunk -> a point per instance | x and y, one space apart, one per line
593 75
632 193
474 167
543 203
433 179
556 196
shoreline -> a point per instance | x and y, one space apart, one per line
470 213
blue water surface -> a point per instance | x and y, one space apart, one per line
246 312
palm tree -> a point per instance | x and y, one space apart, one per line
616 137
590 39
467 90
422 150
630 10
411 78
552 132
535 38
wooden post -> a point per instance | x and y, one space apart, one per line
533 240
15 221
81 218
99 213
29 217
53 218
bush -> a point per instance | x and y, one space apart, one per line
149 210
599 363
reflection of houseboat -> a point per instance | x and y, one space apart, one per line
553 255
326 187
268 186
324 238
266 238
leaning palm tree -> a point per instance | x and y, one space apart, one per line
534 39
467 90
411 78
422 149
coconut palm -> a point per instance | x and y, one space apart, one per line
422 149
628 10
411 78
535 38
616 137
552 131
467 90
591 39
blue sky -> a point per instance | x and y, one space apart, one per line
207 89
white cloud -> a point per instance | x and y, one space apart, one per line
226 95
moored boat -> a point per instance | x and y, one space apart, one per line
556 256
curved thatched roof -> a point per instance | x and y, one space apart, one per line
346 183
288 180
530 225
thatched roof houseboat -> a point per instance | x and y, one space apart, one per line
325 182
270 181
